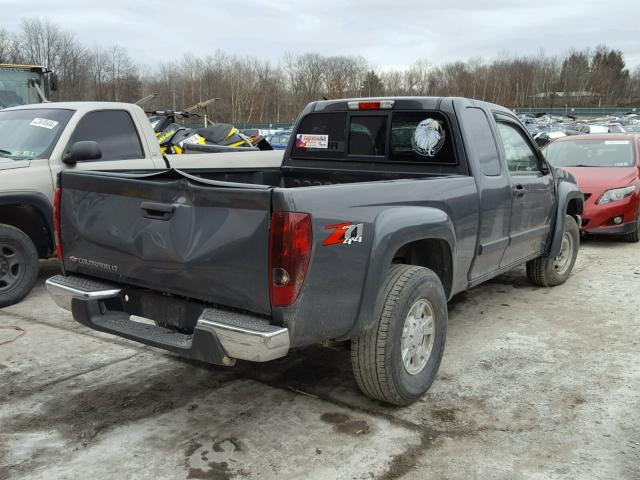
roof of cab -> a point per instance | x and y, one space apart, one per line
78 106
17 66
423 102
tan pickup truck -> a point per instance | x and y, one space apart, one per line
38 141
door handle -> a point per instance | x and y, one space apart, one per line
518 190
157 211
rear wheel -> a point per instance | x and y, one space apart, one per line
18 265
634 236
549 272
398 359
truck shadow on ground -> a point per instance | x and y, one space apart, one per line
323 373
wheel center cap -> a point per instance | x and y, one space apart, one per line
4 265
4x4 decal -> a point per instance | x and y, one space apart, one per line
345 233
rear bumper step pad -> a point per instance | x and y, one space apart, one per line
219 337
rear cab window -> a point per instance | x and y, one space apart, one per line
396 137
421 137
367 135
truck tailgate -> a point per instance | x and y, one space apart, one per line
170 232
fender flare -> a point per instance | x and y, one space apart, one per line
393 229
39 202
567 191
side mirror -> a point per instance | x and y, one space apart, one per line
544 166
82 151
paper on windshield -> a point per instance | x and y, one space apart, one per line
24 153
44 123
616 142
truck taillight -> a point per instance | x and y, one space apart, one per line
371 105
56 223
290 241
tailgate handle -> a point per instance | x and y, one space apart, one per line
157 211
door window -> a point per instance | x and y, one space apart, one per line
519 155
482 143
113 130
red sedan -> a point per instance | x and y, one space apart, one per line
607 169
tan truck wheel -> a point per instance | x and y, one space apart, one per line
18 265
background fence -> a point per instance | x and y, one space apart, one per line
244 126
581 112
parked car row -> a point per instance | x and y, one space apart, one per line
277 138
278 141
546 128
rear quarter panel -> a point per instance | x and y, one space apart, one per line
342 282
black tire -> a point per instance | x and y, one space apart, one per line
376 355
18 265
545 272
634 236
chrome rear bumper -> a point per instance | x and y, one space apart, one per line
63 289
240 335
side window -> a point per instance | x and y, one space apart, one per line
113 130
519 155
483 145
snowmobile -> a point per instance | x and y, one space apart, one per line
176 139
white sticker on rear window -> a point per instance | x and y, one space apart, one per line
616 142
312 141
44 123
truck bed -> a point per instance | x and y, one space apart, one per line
289 177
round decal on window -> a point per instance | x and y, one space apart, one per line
428 137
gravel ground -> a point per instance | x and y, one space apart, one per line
535 383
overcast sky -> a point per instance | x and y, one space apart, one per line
388 34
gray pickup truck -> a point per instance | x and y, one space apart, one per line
382 210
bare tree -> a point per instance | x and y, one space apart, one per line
10 50
41 41
251 90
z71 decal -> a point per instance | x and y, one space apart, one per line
346 233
